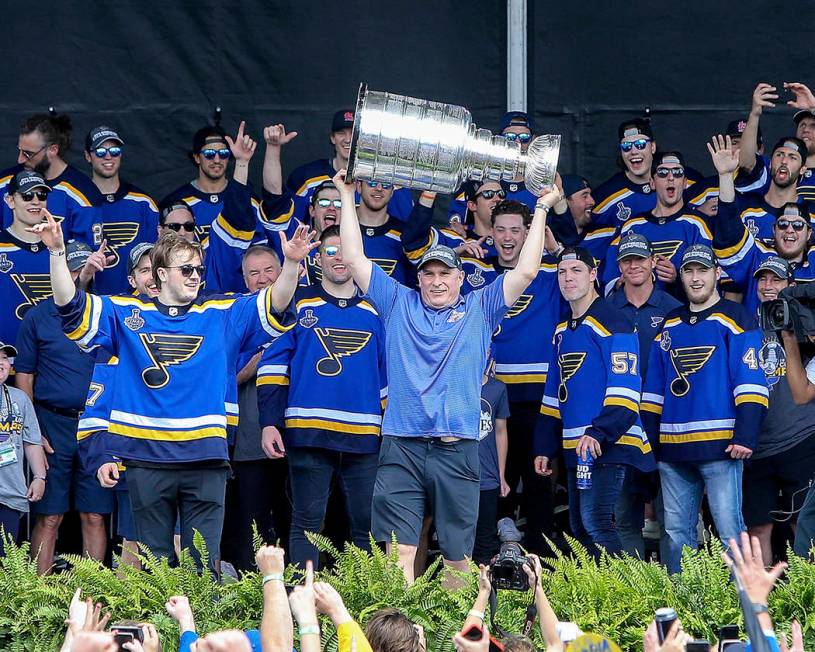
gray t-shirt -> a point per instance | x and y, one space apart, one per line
18 424
786 424
247 437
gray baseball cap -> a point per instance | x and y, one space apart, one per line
634 244
136 254
443 255
699 254
776 265
76 253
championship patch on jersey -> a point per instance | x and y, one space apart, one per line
5 264
308 319
134 321
338 343
623 212
687 361
569 364
165 351
476 278
773 361
34 288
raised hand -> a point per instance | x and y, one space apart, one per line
329 602
725 158
746 562
549 196
345 186
270 560
472 248
96 262
178 607
484 584
300 244
797 639
763 97
50 231
243 147
804 99
302 600
276 136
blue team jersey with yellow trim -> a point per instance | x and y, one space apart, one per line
521 361
128 218
176 368
516 191
593 388
24 281
325 380
758 180
705 388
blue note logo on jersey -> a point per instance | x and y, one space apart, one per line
118 235
386 264
521 304
773 361
165 351
308 319
135 321
623 212
569 363
34 288
666 248
656 321
338 343
686 361
5 264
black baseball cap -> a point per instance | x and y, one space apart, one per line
206 136
516 119
76 253
792 142
577 253
804 113
792 210
667 158
701 254
573 183
136 254
176 204
26 181
8 349
443 255
776 265
99 135
472 187
634 127
328 183
343 119
634 244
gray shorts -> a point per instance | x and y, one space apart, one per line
414 471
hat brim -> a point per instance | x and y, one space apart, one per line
9 350
634 254
698 261
105 139
803 113
783 277
439 259
29 188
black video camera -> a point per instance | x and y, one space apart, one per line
507 568
794 310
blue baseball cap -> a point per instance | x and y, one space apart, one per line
700 254
573 183
516 119
634 244
776 265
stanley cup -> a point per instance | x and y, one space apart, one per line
433 146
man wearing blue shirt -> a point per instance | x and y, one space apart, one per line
437 343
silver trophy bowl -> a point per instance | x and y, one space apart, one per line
434 146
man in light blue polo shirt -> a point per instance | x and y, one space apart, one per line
437 343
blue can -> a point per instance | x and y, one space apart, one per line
584 467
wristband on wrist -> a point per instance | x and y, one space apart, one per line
759 608
57 252
39 477
272 577
305 630
476 614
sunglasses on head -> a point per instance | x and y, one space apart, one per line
187 270
102 152
210 153
640 144
523 138
374 184
42 195
325 203
797 225
677 173
489 194
331 250
189 227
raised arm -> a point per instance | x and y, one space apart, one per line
518 279
275 137
726 161
763 96
61 282
351 237
802 390
276 631
294 251
243 148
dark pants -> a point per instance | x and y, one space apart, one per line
196 495
591 511
312 472
486 530
805 531
10 523
536 501
255 493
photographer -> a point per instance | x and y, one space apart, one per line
784 459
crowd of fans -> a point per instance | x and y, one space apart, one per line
228 357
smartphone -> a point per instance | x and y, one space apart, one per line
697 646
475 633
126 634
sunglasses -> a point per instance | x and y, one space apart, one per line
784 224
210 153
640 144
189 227
29 155
331 251
489 194
523 138
325 203
42 195
187 270
102 152
374 184
677 173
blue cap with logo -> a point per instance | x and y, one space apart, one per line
76 253
28 180
516 119
634 244
442 254
136 254
700 254
778 266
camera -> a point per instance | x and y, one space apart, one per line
507 568
775 315
793 310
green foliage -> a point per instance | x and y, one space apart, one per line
615 596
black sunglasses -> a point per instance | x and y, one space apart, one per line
784 224
489 194
210 153
42 195
677 173
189 227
187 270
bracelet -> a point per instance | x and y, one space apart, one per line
476 613
760 608
429 196
39 477
305 630
542 206
59 252
272 577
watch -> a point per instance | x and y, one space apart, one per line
759 608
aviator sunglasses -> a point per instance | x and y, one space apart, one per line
210 153
102 152
640 144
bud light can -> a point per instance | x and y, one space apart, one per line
584 467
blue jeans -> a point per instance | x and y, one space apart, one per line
591 511
629 516
683 484
311 473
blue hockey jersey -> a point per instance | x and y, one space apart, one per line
522 343
24 281
593 388
705 388
516 191
178 366
758 180
325 380
127 217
